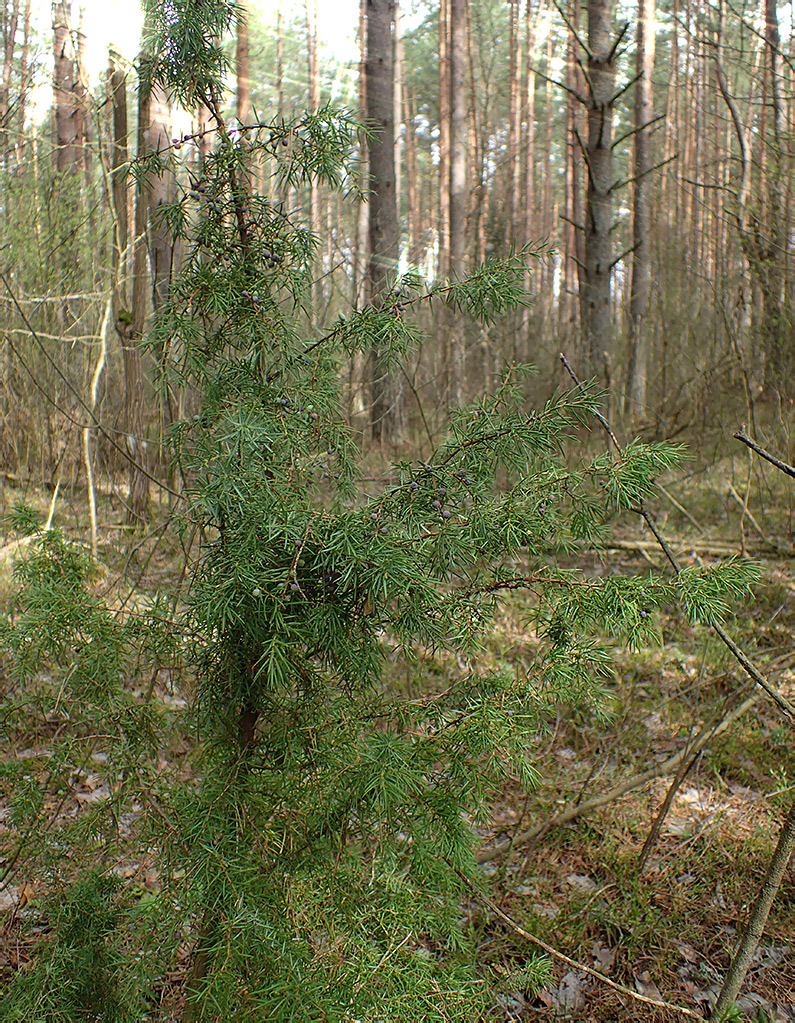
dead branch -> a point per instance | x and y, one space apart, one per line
756 922
783 466
668 766
658 1003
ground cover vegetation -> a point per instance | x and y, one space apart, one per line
280 758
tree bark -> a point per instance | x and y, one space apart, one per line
386 405
129 322
641 258
157 189
459 103
24 73
313 83
243 66
597 320
444 138
69 117
8 61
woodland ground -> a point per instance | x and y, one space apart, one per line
667 932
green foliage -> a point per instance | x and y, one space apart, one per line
23 518
84 970
309 852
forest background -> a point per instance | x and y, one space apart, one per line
638 159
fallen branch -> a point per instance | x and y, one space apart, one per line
716 550
657 1002
669 766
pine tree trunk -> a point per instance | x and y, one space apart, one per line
459 102
158 190
243 71
69 118
641 261
24 72
386 404
444 138
313 72
361 251
8 61
397 117
595 300
129 322
778 340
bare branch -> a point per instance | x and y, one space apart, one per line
628 992
638 177
624 254
634 131
785 468
625 88
573 30
573 92
574 224
613 49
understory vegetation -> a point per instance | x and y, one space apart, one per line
326 739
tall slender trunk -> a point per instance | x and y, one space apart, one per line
459 104
82 94
777 338
595 303
129 322
444 138
69 117
243 66
530 198
641 261
24 73
8 61
386 400
363 210
397 118
313 71
514 122
413 218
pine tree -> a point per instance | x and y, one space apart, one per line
308 850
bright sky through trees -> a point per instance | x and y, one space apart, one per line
118 23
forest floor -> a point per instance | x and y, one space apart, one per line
666 931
